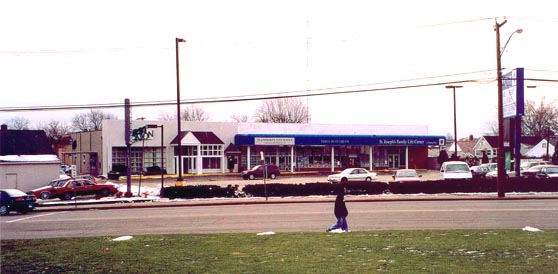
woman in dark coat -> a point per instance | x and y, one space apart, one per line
340 211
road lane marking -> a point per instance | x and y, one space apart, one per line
34 216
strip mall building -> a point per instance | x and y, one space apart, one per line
221 147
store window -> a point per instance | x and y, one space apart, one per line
140 158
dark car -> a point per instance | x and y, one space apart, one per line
259 171
117 171
16 200
541 172
532 171
479 171
154 170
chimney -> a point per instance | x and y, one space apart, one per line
471 137
4 127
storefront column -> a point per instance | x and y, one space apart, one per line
292 158
371 158
199 162
249 166
406 156
332 159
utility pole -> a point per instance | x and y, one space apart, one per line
456 156
127 124
501 150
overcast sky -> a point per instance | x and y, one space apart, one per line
89 52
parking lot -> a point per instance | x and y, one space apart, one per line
224 180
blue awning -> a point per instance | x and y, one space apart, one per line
338 140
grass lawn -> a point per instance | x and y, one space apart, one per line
437 251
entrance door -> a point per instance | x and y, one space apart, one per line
190 165
393 160
285 162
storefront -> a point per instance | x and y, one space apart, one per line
221 147
332 152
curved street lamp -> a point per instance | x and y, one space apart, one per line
501 153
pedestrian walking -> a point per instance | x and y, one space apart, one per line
340 211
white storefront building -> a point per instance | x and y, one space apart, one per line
219 147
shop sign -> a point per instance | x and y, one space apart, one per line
141 134
513 93
406 142
274 141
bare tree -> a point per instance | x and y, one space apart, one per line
194 113
539 119
240 118
18 123
284 110
491 128
165 116
92 120
54 130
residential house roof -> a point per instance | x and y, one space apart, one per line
203 137
467 145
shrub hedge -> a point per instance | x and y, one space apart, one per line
200 191
363 188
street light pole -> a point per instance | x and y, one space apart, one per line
178 116
501 174
454 119
500 156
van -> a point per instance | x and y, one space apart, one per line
455 170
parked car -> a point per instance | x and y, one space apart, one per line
16 200
67 169
548 171
117 171
479 171
68 188
490 166
455 170
259 171
528 165
406 175
540 171
153 170
63 175
89 177
494 174
352 174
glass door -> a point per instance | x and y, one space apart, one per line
393 161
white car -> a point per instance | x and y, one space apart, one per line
455 170
494 174
406 175
352 174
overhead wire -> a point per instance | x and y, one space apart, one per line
224 99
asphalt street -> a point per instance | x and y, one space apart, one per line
365 215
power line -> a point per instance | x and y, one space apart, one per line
221 99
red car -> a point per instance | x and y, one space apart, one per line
65 189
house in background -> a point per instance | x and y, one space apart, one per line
541 149
488 145
27 159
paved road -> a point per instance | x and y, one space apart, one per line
364 215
